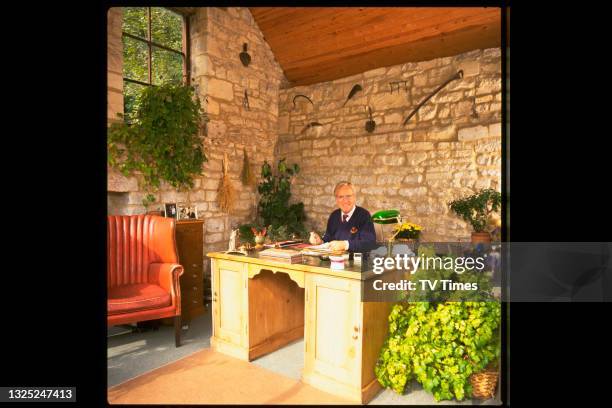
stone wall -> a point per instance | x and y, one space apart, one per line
220 79
217 36
450 148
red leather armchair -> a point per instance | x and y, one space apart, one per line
142 271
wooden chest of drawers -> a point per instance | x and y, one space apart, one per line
190 246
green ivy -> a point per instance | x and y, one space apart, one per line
275 190
440 345
163 142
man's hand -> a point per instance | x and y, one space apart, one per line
338 246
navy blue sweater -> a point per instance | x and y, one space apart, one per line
358 230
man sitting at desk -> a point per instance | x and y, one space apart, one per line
349 227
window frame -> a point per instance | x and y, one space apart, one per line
184 53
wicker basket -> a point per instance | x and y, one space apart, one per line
484 384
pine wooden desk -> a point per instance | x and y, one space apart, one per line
260 305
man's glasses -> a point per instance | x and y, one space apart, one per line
344 197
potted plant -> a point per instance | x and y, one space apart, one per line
281 218
477 209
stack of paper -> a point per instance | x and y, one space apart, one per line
282 255
322 249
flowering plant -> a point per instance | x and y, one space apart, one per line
408 230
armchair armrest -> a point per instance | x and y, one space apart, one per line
167 276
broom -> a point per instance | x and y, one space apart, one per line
225 196
247 176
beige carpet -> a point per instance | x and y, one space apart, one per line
207 377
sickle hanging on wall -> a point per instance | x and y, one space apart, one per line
458 75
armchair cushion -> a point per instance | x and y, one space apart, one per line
137 297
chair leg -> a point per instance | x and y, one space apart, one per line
177 330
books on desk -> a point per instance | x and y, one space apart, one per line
282 255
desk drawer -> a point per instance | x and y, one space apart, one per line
193 274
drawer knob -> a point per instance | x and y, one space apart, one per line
195 275
194 301
195 288
194 265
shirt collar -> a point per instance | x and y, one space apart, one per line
350 213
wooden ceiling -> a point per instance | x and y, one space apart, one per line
316 44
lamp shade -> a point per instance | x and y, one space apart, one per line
386 217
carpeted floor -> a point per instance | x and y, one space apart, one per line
141 367
207 377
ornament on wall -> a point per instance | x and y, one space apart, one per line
474 112
458 75
396 85
310 125
245 58
245 101
370 124
303 96
356 88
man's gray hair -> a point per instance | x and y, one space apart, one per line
342 184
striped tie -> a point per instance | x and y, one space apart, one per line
344 217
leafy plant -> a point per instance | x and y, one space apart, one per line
162 143
440 345
476 208
275 190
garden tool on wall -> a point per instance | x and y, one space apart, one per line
245 58
245 102
458 75
356 88
370 124
302 96
395 84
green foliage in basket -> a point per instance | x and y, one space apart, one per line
440 345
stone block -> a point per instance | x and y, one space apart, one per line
196 195
211 196
391 118
448 97
414 159
213 238
470 68
390 160
495 130
385 100
212 107
173 197
389 180
117 182
413 192
413 179
488 85
442 134
215 224
473 133
221 89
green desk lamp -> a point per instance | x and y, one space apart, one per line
388 217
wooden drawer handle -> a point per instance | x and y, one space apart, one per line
195 288
195 265
195 275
